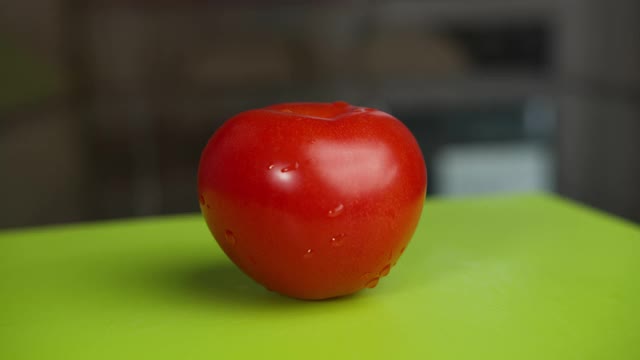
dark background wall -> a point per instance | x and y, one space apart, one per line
105 105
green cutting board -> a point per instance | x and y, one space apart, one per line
514 277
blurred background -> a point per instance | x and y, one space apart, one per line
106 105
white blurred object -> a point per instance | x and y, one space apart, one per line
490 168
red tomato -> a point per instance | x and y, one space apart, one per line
313 200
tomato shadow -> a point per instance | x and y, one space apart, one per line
215 284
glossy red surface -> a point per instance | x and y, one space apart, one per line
313 200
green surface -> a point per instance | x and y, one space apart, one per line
521 277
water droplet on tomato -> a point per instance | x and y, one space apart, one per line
336 211
270 167
337 240
372 283
308 254
385 270
292 167
230 237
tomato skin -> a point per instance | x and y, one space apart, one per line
312 200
